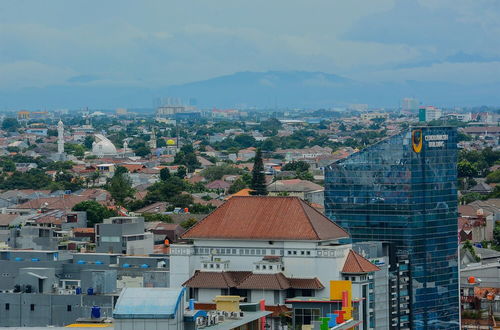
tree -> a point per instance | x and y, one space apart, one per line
493 177
8 165
496 235
187 157
258 184
237 185
217 172
120 187
245 140
10 124
157 217
181 172
88 141
188 223
120 170
164 174
142 151
299 166
466 169
95 212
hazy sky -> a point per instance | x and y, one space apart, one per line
159 43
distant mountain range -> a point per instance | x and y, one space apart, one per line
255 89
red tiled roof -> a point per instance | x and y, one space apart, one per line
133 167
266 218
215 280
65 202
250 280
355 263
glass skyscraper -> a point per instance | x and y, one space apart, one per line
404 190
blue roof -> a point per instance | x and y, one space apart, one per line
148 303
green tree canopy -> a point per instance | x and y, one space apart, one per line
95 212
258 184
120 187
217 172
10 124
164 174
237 185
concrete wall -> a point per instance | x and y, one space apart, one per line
49 309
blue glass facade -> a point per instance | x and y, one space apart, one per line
404 190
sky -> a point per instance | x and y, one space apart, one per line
160 43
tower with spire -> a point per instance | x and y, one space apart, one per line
152 140
60 137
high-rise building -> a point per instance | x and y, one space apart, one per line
409 104
404 190
429 113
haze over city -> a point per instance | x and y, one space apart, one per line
126 53
250 165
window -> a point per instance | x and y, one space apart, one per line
217 266
272 252
234 251
204 265
289 252
68 308
257 267
302 252
306 315
308 253
7 306
32 307
295 253
353 279
264 267
270 267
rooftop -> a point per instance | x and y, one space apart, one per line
266 218
355 264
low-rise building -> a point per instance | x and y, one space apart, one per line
123 235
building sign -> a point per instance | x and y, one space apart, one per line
432 141
436 141
416 140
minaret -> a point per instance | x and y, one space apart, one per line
125 148
152 140
60 137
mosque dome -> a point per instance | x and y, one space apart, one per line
170 142
103 146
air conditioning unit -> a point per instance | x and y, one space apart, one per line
201 321
220 318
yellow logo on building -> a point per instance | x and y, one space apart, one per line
417 140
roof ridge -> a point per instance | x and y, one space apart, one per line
301 202
198 222
324 216
356 258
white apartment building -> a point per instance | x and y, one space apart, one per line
271 248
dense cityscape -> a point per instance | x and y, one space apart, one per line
366 218
250 165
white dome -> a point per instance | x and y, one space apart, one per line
102 146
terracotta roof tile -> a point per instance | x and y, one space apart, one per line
250 280
266 218
355 263
215 280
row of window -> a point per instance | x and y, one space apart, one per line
69 308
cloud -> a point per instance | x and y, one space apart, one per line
159 43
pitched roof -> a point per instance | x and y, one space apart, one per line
294 185
250 280
355 263
266 218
